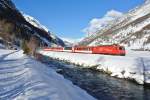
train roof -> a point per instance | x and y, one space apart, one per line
97 46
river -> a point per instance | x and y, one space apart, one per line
98 84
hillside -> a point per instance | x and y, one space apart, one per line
56 41
131 30
15 29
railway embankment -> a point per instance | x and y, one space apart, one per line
134 66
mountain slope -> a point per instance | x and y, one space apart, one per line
34 22
56 41
14 29
131 30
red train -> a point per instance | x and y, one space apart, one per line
104 49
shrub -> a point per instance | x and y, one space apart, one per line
25 47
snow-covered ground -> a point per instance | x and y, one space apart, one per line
2 46
135 65
23 78
34 22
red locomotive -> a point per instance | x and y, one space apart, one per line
104 49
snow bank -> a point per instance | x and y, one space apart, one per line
22 78
136 67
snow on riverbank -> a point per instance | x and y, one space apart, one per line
136 65
22 78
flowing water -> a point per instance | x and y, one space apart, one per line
98 84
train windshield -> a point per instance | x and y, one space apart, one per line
121 48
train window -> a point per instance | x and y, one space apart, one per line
68 48
123 48
87 49
120 48
84 48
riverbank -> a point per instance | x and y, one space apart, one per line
98 84
23 78
134 67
